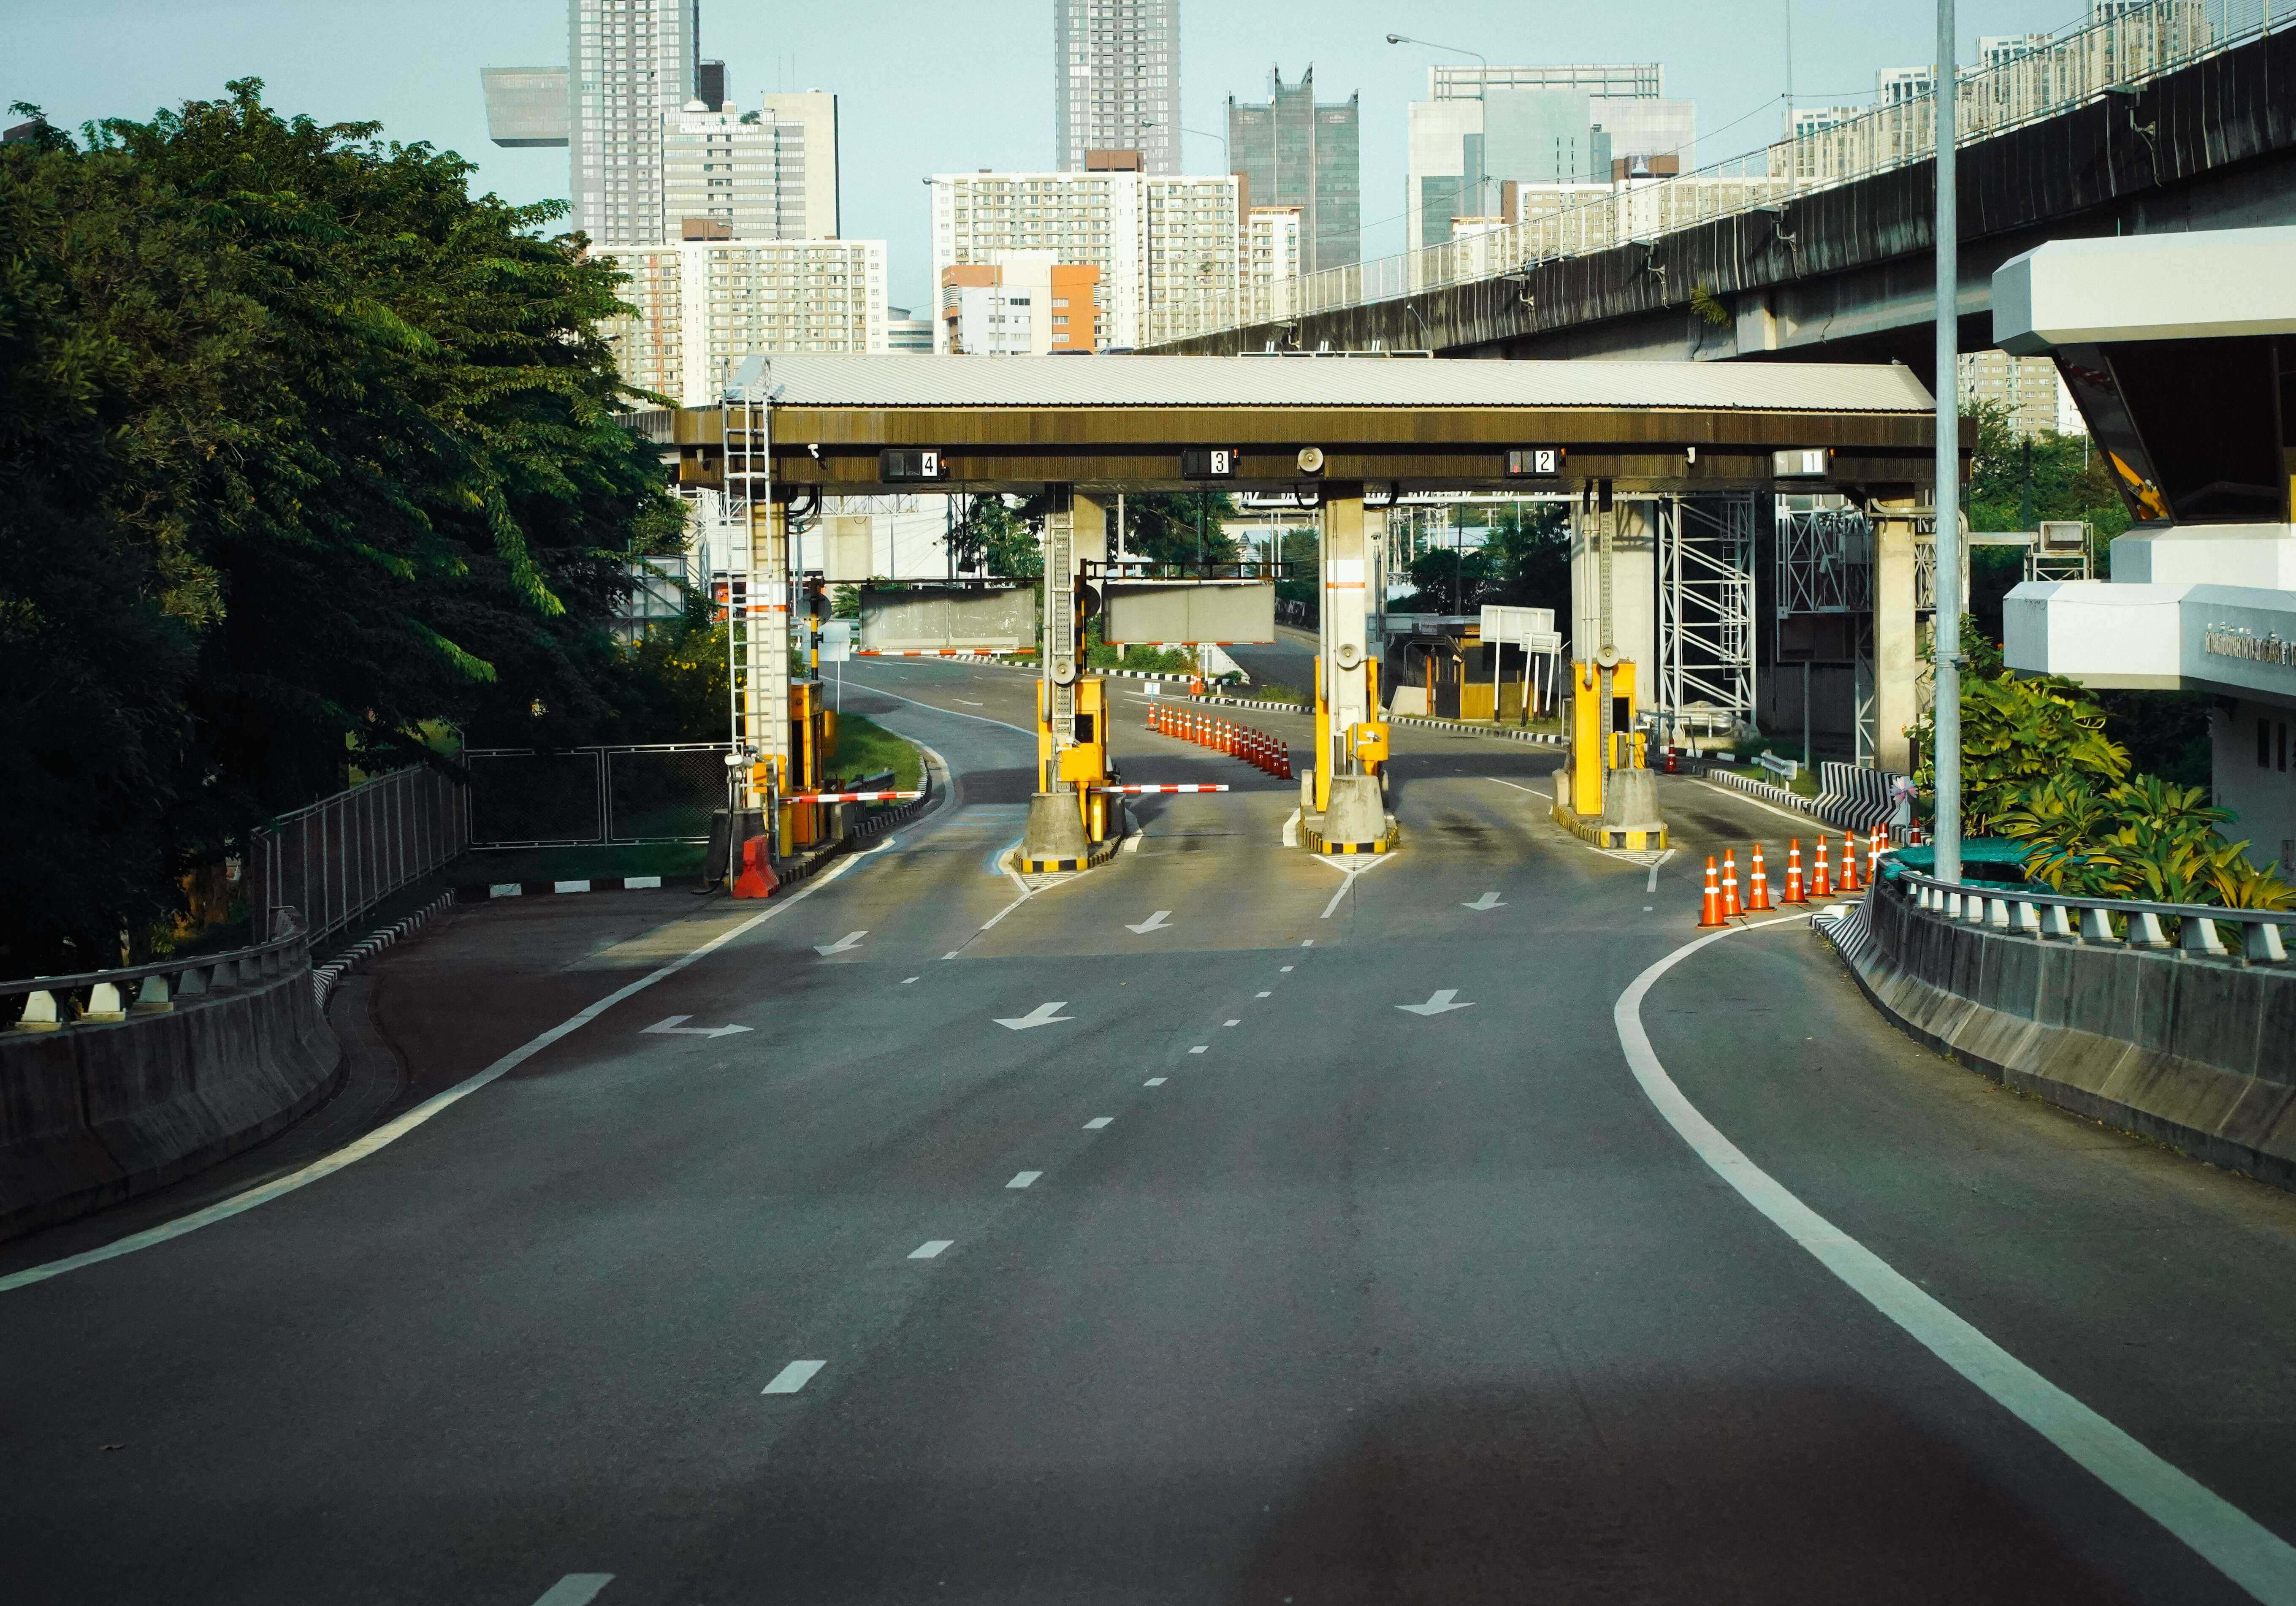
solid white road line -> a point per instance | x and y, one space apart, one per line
1153 1082
390 1131
952 713
1022 1179
1346 885
1651 885
969 702
930 1249
2230 1540
575 1589
952 954
1533 791
1097 1122
793 1377
1805 821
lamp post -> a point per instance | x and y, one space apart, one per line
1482 94
1948 494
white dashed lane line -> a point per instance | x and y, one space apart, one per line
793 1377
575 1589
1200 1048
930 1249
1097 1122
1153 1082
1268 995
1022 1179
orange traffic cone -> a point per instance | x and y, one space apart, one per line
1730 910
1709 908
1819 886
1794 874
1849 882
1879 840
1758 892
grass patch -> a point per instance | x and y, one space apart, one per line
864 748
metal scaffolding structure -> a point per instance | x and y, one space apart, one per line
1706 610
1825 557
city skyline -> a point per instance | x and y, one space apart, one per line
910 90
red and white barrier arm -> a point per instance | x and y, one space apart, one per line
933 652
851 797
1139 790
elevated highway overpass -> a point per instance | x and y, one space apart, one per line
2175 116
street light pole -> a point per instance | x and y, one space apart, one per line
1482 95
1948 495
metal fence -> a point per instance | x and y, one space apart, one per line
341 857
2028 79
593 796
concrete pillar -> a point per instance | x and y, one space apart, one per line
1897 656
1343 619
1633 532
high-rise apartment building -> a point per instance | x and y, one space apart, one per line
1022 304
2024 388
764 175
1292 152
1481 128
633 64
1116 81
704 306
1165 245
1271 246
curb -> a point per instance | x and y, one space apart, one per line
324 979
1536 738
481 891
1614 837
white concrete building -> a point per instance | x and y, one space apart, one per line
2177 349
1166 247
703 306
767 173
1271 249
2026 387
1116 81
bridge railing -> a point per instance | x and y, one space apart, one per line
2042 75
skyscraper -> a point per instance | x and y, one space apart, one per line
1292 153
634 61
765 175
1116 81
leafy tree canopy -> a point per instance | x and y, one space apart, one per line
302 447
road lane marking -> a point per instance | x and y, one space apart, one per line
1157 922
1533 791
1200 1048
671 1026
1043 1014
575 1589
843 944
1286 969
1153 1082
1651 885
390 1131
930 1249
1231 1023
793 1377
1308 944
967 701
2221 1534
1438 1002
1268 995
1022 1179
1097 1122
936 708
1485 904
1349 874
1804 821
952 954
907 980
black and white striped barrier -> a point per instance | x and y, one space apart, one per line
324 977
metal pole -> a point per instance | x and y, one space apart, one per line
1948 497
1804 711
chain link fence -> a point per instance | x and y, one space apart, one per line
594 796
338 857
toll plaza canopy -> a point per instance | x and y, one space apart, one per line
850 423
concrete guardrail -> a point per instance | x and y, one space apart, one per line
115 1083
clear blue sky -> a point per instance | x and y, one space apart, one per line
932 87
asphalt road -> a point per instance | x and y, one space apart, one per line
1233 1282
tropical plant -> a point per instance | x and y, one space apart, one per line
2016 732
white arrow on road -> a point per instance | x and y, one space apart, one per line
1154 923
673 1027
842 945
1485 904
1437 1001
1042 1015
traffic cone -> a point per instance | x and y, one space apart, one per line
1849 882
1730 910
1819 886
1757 893
1874 845
1794 874
1709 908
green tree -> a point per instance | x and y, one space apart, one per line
302 448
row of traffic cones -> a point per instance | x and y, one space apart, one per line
1255 748
1721 905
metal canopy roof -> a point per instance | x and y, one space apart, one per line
801 380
